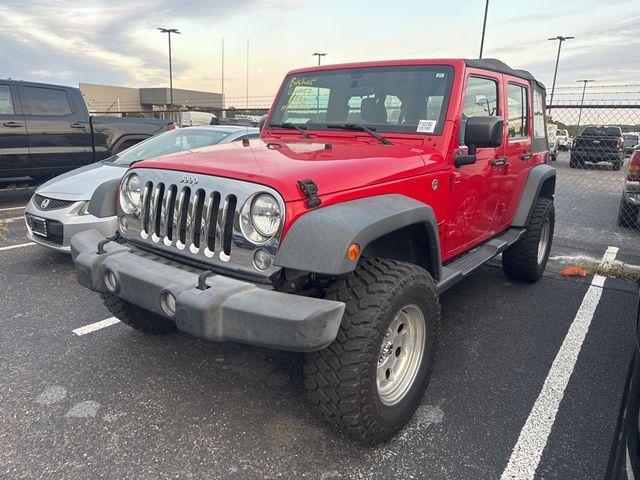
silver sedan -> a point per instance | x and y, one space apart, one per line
84 198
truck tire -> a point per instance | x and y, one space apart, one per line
371 379
527 258
616 165
627 215
575 163
136 317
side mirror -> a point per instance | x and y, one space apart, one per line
480 132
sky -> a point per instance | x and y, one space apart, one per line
116 42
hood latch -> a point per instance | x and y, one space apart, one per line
310 190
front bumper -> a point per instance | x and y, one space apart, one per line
66 226
226 310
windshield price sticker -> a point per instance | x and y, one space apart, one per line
426 126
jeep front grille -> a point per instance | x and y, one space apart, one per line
199 220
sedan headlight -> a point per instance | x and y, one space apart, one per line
261 218
131 193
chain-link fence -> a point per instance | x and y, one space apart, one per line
598 172
187 118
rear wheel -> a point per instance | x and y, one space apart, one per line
371 379
137 317
574 162
527 258
616 164
627 215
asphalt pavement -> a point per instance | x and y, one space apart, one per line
114 403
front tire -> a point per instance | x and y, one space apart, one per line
527 258
627 215
136 317
371 379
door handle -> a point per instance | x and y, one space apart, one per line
498 162
78 125
12 124
526 156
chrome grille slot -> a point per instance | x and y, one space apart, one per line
154 214
211 215
227 228
166 222
144 220
199 220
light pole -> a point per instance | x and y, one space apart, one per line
247 73
169 31
584 88
560 39
484 27
319 55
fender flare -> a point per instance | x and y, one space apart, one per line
103 202
318 241
539 176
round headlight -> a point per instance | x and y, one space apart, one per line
131 193
266 215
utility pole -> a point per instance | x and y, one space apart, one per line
222 75
319 55
169 31
484 27
560 39
584 88
247 73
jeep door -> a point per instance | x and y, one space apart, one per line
476 187
518 151
14 146
59 135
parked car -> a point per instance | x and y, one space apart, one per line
195 118
85 198
46 130
631 141
630 202
624 460
369 219
598 143
552 130
562 139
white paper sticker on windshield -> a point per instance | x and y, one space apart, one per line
426 126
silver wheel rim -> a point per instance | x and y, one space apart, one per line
544 241
400 355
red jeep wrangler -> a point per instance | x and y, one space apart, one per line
373 188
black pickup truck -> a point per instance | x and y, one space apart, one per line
598 143
46 130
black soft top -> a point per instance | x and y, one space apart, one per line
496 65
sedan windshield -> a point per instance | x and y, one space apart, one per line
403 99
170 142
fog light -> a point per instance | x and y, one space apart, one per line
124 224
110 281
168 304
261 259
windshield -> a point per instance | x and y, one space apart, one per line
630 140
562 133
405 99
170 142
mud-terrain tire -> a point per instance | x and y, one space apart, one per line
342 381
136 317
527 258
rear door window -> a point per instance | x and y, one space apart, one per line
46 102
602 131
6 103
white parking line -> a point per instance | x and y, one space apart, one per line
12 219
11 208
92 327
526 454
20 245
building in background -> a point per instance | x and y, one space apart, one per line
115 100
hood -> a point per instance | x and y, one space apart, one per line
79 184
343 165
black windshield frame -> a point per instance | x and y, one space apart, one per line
340 94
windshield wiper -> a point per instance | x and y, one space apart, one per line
291 126
361 128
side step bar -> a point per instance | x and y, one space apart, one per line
455 271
